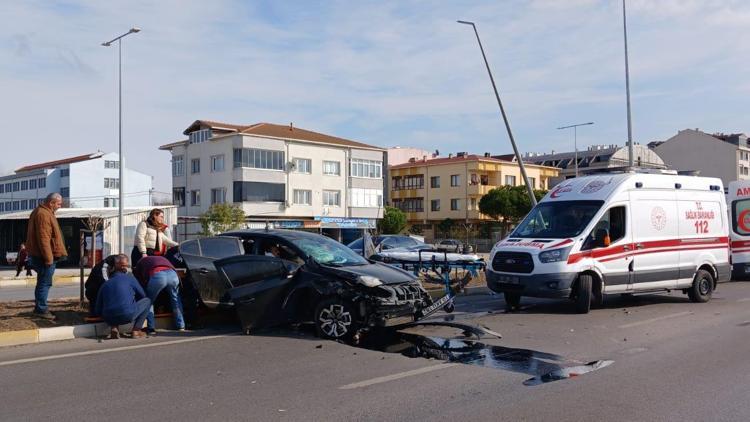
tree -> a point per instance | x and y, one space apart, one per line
446 226
220 218
393 222
508 203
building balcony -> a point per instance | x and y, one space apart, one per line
479 189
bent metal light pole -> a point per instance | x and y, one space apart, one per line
121 187
575 139
529 188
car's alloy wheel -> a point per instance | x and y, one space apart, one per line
334 320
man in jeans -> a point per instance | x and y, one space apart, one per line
157 273
121 300
46 246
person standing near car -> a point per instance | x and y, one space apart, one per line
157 273
46 247
151 238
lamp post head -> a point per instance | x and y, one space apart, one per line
106 44
466 23
133 30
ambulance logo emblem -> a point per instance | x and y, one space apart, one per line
594 186
658 218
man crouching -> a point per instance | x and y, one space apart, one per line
121 300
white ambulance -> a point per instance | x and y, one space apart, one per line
738 199
617 233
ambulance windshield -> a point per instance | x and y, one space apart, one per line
557 220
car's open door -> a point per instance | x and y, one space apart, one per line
199 256
259 286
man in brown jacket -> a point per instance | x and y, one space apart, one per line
46 246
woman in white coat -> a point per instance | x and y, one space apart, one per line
150 237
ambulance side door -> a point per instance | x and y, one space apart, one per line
613 259
656 242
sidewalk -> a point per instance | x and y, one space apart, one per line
63 277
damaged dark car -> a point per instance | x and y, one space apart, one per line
277 277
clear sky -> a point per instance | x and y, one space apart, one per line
386 73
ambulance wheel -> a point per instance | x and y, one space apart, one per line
583 294
703 287
512 300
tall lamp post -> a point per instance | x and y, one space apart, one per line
575 139
529 188
120 230
627 86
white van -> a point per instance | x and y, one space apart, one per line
617 233
738 199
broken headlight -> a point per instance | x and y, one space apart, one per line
369 281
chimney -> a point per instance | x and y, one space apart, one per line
487 155
424 158
291 126
450 155
413 160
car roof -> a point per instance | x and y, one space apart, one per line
280 233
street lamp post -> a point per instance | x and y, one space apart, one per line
627 86
575 139
529 188
120 229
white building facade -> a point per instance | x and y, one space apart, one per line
85 181
726 156
288 176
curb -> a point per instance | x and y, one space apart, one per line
66 332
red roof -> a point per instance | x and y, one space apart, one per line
448 160
52 164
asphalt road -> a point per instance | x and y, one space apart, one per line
8 294
672 360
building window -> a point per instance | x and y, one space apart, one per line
2 206
474 204
199 136
178 196
364 198
258 158
42 183
302 197
195 197
410 204
532 182
332 168
435 205
24 204
259 192
217 163
111 202
64 172
408 182
111 164
65 192
366 168
16 205
25 185
435 182
111 183
195 165
455 204
8 206
32 184
510 180
332 198
484 179
2 188
16 186
40 201
178 166
302 165
218 196
455 179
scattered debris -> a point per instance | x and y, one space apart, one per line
568 372
320 346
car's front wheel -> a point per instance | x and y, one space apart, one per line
335 319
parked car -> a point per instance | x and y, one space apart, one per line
449 245
274 277
390 241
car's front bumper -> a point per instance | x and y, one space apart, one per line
554 285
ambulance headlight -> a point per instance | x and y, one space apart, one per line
555 255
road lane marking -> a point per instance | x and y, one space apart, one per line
657 319
116 349
745 299
394 377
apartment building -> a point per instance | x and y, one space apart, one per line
84 181
726 156
431 190
280 175
593 158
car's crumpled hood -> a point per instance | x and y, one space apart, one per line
386 273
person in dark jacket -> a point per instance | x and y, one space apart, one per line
98 275
121 300
22 261
156 273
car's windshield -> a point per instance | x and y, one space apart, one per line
557 220
329 252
